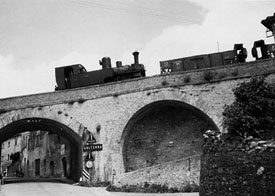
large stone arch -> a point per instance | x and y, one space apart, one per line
147 139
53 126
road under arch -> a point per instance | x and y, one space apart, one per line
52 126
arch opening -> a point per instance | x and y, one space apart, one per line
71 139
163 131
64 166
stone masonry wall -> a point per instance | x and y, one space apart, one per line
173 174
238 173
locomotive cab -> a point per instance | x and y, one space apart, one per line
64 75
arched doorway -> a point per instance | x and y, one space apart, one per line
34 124
28 168
64 166
52 168
163 131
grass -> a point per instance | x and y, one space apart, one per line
153 188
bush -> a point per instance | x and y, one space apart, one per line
81 100
208 75
222 75
190 188
164 83
187 79
253 111
235 72
153 188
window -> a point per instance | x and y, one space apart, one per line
37 139
9 144
15 143
3 145
29 144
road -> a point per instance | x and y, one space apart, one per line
61 189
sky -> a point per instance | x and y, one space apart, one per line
38 35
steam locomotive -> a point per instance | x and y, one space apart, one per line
260 50
73 76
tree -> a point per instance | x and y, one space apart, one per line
253 111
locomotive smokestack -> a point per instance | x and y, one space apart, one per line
136 57
118 64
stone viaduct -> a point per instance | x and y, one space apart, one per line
150 128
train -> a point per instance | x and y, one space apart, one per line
260 50
239 54
74 76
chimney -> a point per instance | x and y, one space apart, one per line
136 57
118 64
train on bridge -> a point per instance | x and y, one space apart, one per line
260 50
73 76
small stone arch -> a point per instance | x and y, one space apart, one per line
52 126
157 133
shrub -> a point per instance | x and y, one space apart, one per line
190 187
81 100
164 83
234 72
146 188
208 75
71 102
222 75
187 79
253 112
101 184
153 188
2 111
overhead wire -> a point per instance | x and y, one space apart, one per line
122 7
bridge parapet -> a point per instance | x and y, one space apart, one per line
215 74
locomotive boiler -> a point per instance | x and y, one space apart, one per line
73 76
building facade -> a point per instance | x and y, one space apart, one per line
36 154
10 153
45 155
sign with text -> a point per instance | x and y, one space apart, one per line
92 147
